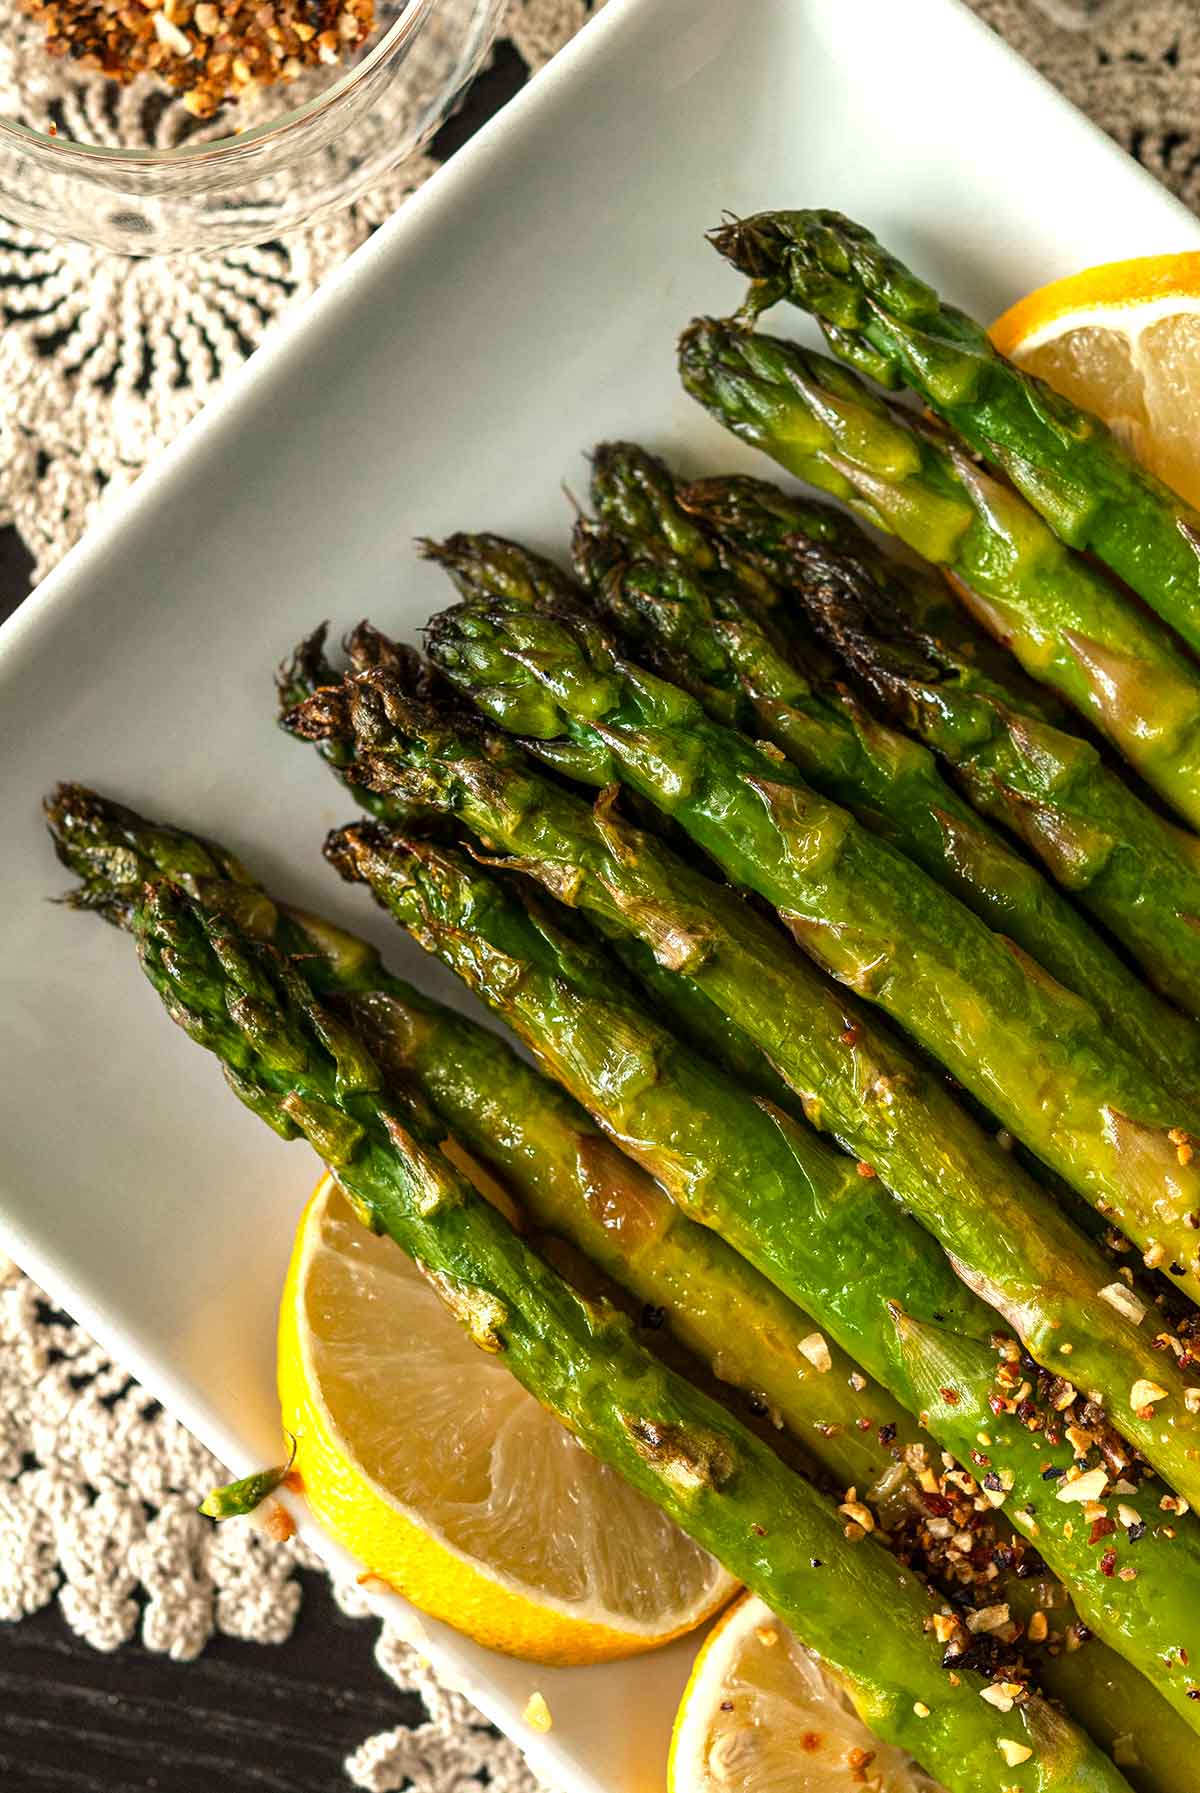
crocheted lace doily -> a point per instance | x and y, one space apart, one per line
102 361
98 1511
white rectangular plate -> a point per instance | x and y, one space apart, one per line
524 305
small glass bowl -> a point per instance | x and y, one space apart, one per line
128 168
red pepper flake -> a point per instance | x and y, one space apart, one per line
937 1504
1102 1528
1108 1563
863 1423
951 1395
864 1170
727 1705
849 1037
811 1741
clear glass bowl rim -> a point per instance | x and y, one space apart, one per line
66 150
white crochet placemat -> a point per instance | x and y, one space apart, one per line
97 1485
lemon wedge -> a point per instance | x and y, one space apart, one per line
1123 340
427 1460
761 1715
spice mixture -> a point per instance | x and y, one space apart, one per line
212 50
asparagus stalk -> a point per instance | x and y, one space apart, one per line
1137 873
871 918
755 522
1064 622
305 1072
798 1222
565 1173
857 1080
774 1188
694 627
893 327
570 1181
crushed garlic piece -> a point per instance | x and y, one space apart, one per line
988 1618
1125 1302
817 1351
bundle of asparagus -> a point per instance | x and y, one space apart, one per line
234 971
742 1140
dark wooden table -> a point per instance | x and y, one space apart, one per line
242 1718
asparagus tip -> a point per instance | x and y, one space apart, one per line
304 670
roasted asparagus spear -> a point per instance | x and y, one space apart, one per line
1131 868
884 321
1066 624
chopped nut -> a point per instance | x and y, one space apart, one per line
1088 1486
1191 1399
170 35
817 1352
921 1709
766 1635
1001 1694
1144 1394
375 1584
944 1627
857 1382
1037 1628
1014 1753
854 1509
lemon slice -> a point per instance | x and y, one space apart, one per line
761 1715
429 1462
1123 340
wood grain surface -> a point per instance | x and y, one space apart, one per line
241 1718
